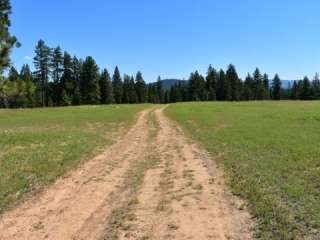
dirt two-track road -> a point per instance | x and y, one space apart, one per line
153 183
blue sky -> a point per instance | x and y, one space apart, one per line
171 38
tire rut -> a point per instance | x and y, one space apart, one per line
185 197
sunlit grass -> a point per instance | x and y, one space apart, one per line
270 151
38 145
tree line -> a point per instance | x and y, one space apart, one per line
227 86
61 79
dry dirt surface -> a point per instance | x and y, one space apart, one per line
153 183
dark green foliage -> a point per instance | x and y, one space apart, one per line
56 64
197 87
42 66
234 81
305 89
13 74
276 87
132 91
89 82
211 82
141 88
7 41
117 86
126 89
106 90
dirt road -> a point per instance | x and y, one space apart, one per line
153 183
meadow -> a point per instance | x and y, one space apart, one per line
270 152
39 145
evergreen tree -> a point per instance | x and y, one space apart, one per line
27 78
56 64
26 74
266 86
76 98
126 89
65 99
221 92
89 82
141 88
294 91
305 93
233 79
211 81
248 88
276 88
132 91
76 70
106 88
41 63
68 81
7 41
160 91
316 87
260 91
13 74
117 85
197 87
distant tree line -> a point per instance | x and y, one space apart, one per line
227 86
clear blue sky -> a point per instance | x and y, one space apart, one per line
171 38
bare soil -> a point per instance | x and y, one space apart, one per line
153 183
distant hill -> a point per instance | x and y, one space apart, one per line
286 83
168 83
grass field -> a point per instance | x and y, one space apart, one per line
270 151
37 146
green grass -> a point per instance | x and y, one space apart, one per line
271 152
38 145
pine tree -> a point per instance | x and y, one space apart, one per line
220 92
126 89
259 86
211 80
41 63
7 41
27 78
56 64
76 70
141 88
65 99
294 91
13 75
266 86
160 91
305 89
132 91
197 87
25 73
76 98
276 88
316 87
105 88
89 82
117 85
233 79
248 88
68 81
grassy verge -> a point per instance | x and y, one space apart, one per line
38 145
270 151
